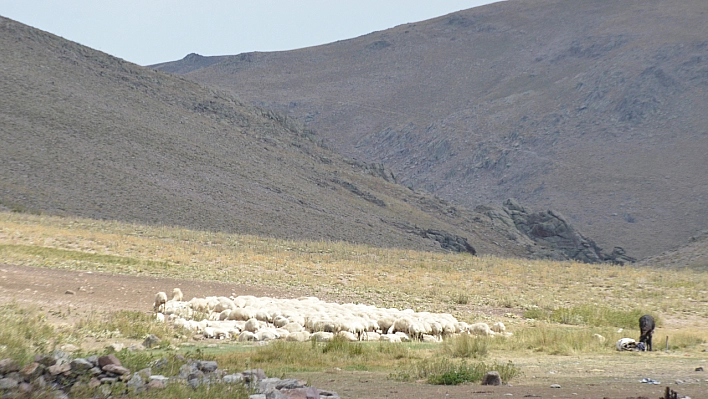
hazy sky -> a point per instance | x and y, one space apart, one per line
152 31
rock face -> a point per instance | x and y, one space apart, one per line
551 235
62 373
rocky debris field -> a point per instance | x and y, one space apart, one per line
65 375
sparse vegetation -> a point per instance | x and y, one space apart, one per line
443 371
590 315
127 324
400 278
25 332
559 301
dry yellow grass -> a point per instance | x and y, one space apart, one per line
453 283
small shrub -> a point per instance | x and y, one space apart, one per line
467 346
461 298
444 371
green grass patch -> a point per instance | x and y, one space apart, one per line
445 371
283 356
125 324
467 346
47 255
24 333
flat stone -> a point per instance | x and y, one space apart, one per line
275 394
8 383
32 370
59 368
108 359
254 375
45 360
289 383
232 378
25 387
208 366
115 369
8 366
81 365
267 384
327 394
136 382
155 384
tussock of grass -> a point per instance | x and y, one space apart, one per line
444 371
590 315
281 356
559 340
24 333
467 346
126 324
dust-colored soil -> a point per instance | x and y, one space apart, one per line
579 377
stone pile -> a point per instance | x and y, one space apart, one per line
60 373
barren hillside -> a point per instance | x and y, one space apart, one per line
594 108
84 133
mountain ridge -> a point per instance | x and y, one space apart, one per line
591 108
87 134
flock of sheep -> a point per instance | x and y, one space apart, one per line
249 318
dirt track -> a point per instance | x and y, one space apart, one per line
579 377
103 291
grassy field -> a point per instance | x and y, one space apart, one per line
552 308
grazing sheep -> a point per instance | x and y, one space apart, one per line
481 329
646 328
498 327
177 295
160 301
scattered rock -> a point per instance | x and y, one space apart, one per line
108 359
155 384
66 376
8 366
492 378
115 369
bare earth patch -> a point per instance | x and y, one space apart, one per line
587 376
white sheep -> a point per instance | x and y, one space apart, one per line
160 301
498 327
481 329
177 295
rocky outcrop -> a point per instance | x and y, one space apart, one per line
551 235
60 373
449 241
